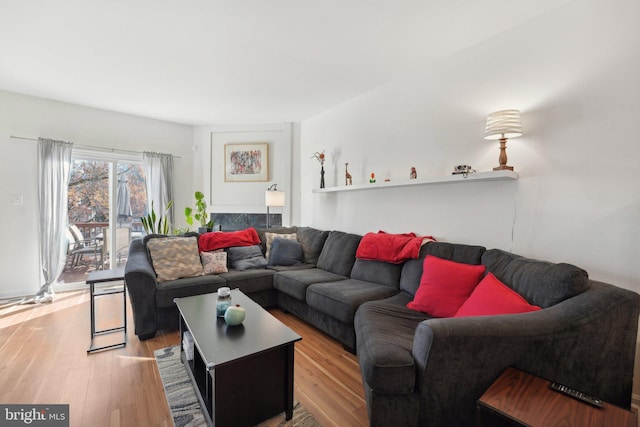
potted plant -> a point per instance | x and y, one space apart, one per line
156 224
200 214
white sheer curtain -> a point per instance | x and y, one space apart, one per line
158 169
54 165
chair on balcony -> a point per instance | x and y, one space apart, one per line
79 246
123 238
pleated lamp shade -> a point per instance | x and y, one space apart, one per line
503 124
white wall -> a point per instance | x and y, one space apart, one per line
246 197
575 75
31 117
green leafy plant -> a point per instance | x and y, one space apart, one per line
181 230
200 214
154 224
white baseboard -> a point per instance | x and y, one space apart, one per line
58 287
66 287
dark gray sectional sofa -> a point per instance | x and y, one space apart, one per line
418 370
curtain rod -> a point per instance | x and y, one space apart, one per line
111 150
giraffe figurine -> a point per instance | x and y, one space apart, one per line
347 175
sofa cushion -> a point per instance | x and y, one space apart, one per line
175 257
445 285
246 257
186 287
339 252
285 252
295 282
249 281
384 332
380 272
312 241
540 282
412 269
492 297
341 299
291 267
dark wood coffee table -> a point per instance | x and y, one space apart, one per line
242 374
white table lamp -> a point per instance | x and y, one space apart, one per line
501 125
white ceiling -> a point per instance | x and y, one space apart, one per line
222 61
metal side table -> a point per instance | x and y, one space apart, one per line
104 276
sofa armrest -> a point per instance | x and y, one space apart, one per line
586 342
141 283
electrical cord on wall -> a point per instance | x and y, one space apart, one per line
515 214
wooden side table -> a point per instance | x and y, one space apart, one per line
104 276
517 398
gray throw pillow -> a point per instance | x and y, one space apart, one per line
285 252
246 257
249 263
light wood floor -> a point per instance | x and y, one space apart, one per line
43 360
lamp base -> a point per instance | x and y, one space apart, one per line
268 218
503 168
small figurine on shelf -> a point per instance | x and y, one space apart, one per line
347 175
319 156
373 178
413 174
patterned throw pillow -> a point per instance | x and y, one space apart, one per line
214 262
270 236
175 257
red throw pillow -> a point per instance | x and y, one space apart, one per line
491 297
444 286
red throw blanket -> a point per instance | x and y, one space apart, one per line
392 248
227 239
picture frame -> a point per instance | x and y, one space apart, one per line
248 162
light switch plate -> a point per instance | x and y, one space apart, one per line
17 199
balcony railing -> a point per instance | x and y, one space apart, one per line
90 230
75 273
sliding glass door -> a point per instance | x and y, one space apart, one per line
107 197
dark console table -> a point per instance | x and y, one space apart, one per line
105 276
242 374
517 398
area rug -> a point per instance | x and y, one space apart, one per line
183 402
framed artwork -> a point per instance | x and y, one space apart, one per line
246 162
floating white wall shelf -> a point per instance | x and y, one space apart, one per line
472 177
